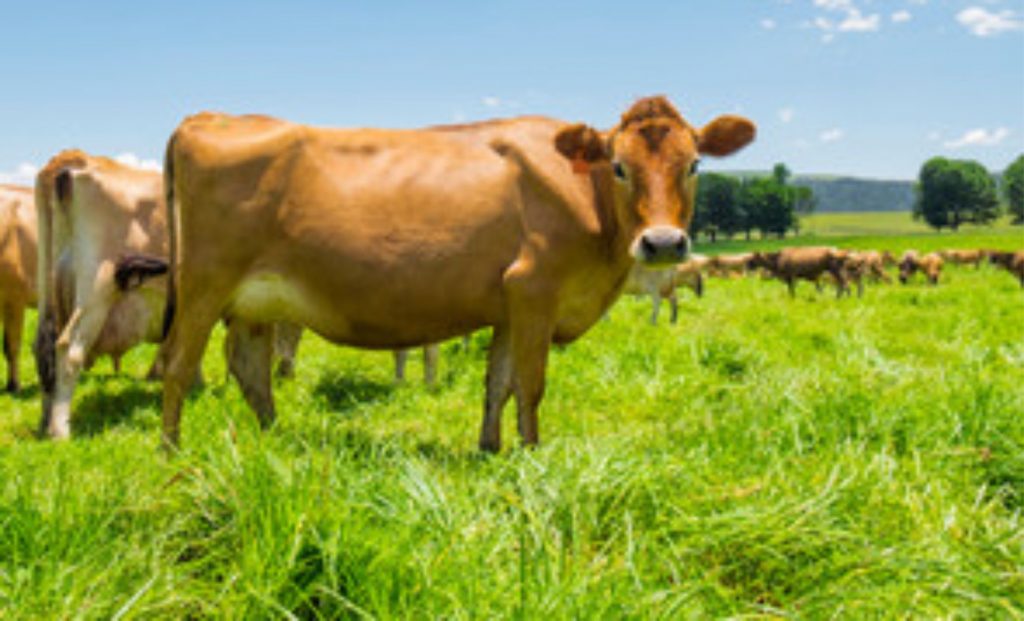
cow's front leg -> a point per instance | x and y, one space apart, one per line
251 352
655 307
673 304
499 388
531 340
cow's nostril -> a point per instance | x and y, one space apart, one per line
648 246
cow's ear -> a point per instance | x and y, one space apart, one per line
581 144
726 135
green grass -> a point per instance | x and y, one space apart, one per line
880 230
868 223
766 456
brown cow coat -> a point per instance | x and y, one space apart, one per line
17 271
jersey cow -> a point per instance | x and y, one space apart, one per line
102 234
930 265
661 284
390 239
17 271
1012 262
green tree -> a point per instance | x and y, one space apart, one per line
781 174
718 196
1013 189
769 206
952 192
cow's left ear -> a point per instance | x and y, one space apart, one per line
581 143
725 135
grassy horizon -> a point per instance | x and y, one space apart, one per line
765 457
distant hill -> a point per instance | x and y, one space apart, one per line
850 194
853 194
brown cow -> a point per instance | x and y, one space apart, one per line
930 265
661 284
865 264
807 263
528 225
17 271
729 265
1012 262
964 257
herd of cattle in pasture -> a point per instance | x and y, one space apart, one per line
381 239
814 264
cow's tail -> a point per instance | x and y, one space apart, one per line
172 234
53 191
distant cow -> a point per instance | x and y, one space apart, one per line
388 239
930 265
964 257
17 271
807 263
661 284
1012 262
729 265
865 264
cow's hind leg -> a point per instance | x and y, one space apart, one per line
286 345
14 317
182 353
251 353
499 388
72 351
673 304
401 357
431 354
655 307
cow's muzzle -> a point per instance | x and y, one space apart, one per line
661 245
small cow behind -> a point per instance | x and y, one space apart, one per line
930 265
807 263
661 284
729 265
102 236
964 257
866 264
17 271
1012 262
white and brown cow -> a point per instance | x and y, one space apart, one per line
661 284
102 233
17 271
390 239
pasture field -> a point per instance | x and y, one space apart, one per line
882 230
765 457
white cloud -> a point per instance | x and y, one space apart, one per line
979 138
831 135
490 101
855 22
828 37
23 174
768 24
786 115
900 16
834 5
130 159
982 23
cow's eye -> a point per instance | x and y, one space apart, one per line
694 167
619 170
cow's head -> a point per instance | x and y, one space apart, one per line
653 156
908 265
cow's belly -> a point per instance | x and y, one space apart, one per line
389 311
134 319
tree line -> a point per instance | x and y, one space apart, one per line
948 193
728 205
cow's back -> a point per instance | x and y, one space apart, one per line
18 240
416 227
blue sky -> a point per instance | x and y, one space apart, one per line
858 87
